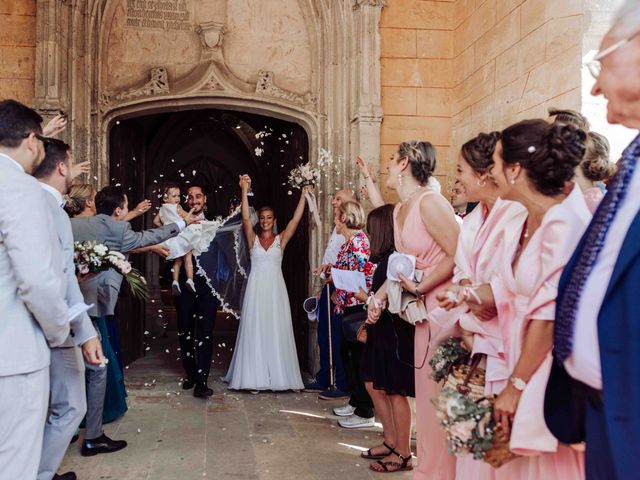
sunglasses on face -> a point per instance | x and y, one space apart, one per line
45 140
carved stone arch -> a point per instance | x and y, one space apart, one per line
345 83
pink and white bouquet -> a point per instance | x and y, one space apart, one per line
304 175
468 424
92 257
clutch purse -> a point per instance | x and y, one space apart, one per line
352 324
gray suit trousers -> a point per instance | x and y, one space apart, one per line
96 377
67 407
23 410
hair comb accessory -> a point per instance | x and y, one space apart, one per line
531 149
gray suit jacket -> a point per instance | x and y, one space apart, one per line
81 326
32 307
102 290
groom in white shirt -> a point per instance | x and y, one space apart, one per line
34 313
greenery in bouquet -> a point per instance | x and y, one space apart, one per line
468 425
449 353
93 257
303 175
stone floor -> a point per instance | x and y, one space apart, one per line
233 435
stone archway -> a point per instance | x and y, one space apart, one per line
335 97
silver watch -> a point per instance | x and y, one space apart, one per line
517 382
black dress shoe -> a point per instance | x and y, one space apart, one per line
188 384
102 444
202 391
65 476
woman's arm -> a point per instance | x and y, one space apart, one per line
537 344
288 232
250 235
375 196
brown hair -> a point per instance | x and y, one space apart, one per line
352 214
570 117
478 152
422 158
548 152
380 232
77 198
168 186
596 165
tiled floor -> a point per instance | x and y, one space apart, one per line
174 436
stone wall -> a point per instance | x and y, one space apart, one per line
17 49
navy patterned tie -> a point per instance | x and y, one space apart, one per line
567 308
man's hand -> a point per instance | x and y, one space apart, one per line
80 168
143 206
159 250
92 351
56 125
190 218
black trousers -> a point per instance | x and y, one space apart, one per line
196 314
351 353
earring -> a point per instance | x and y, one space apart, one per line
481 183
513 181
400 179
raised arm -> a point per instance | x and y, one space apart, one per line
141 208
288 232
375 196
247 226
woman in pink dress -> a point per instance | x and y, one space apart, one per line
425 227
482 233
532 163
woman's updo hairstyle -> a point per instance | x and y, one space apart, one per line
422 158
77 198
478 152
549 153
596 165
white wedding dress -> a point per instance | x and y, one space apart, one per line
265 356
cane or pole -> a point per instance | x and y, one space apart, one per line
332 384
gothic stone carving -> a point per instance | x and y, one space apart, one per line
373 3
158 84
265 86
211 34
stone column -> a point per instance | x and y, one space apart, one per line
365 123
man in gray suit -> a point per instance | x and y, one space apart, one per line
108 228
67 403
34 313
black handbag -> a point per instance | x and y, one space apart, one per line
352 323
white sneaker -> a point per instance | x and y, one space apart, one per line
344 411
190 285
175 288
354 421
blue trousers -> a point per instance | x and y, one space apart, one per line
598 461
322 377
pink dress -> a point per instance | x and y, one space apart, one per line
528 294
434 461
481 236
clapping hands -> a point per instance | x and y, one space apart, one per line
245 183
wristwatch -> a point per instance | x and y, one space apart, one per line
517 382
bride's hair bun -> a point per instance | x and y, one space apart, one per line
549 153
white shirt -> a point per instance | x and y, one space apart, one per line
56 194
333 248
584 362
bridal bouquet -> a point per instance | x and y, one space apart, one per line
449 353
469 425
93 257
304 175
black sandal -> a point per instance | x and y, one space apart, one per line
370 456
397 467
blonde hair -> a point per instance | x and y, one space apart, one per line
352 214
596 165
77 198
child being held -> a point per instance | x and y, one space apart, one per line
170 212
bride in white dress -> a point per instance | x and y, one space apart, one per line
265 356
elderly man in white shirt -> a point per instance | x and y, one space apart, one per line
34 313
324 377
